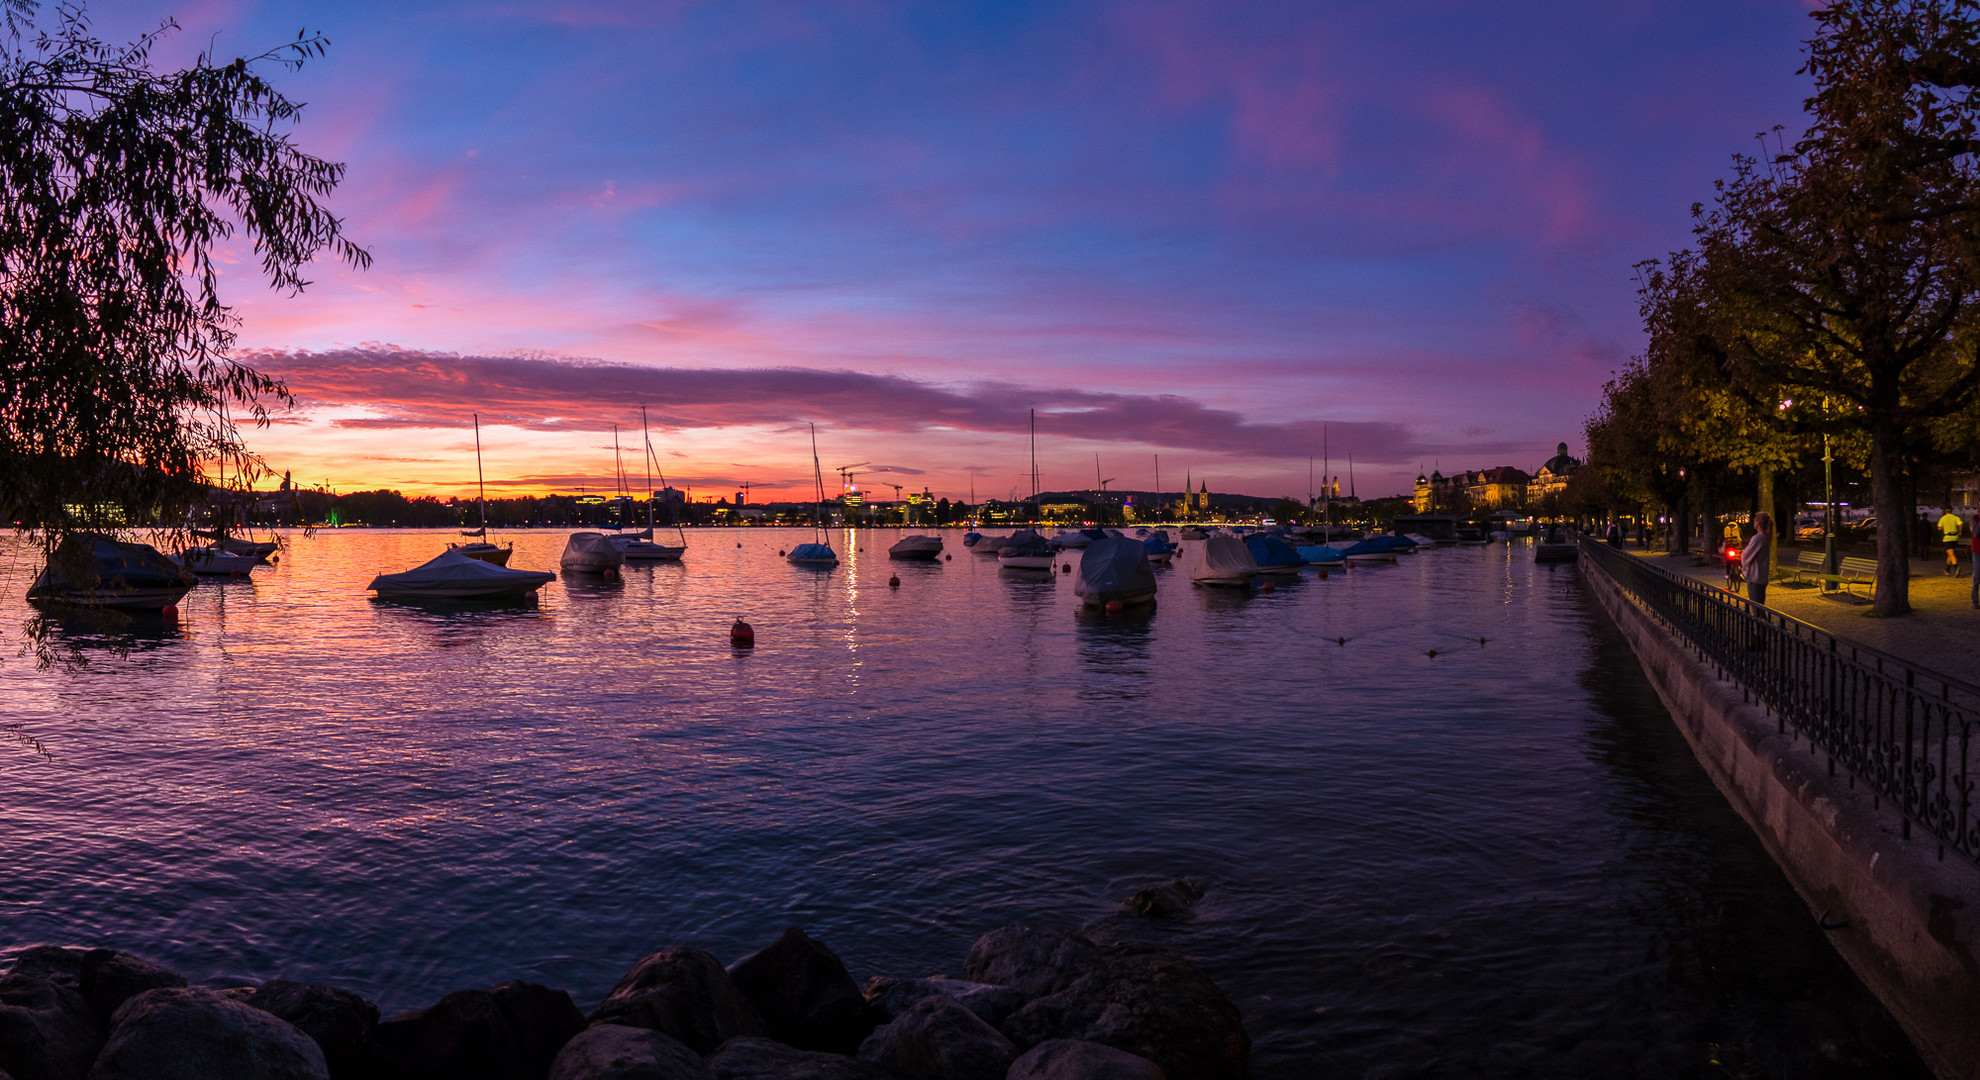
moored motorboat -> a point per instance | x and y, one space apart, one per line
1274 556
917 547
1071 538
486 552
1026 550
1221 559
454 576
1366 551
1191 532
1157 545
591 553
990 545
1114 570
971 538
93 570
1321 555
641 547
215 561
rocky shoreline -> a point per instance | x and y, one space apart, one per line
1031 1003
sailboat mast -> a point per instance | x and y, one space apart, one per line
1158 484
818 478
1034 457
1326 484
648 462
480 486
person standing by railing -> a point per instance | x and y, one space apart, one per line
1758 557
1949 524
1973 557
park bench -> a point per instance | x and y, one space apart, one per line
1851 570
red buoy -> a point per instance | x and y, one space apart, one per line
1115 607
1066 568
742 635
169 611
1267 587
948 558
894 582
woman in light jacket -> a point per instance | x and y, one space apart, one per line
1758 557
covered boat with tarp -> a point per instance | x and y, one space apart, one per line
1322 555
1273 555
1368 551
813 555
1221 559
94 570
918 547
454 576
591 553
1026 550
990 545
1114 570
1158 546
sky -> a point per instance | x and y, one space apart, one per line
1219 238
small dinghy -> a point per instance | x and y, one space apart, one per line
454 576
1221 559
93 570
922 548
217 561
1157 545
1273 555
972 538
1114 570
1026 550
591 553
813 555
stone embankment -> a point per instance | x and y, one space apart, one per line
1031 1003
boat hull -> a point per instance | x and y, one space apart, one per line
488 553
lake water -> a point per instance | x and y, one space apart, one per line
1499 860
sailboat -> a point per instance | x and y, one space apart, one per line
640 546
818 552
482 549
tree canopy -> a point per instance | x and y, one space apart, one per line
118 186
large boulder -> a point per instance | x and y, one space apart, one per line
189 1034
1036 960
685 993
618 1052
110 978
59 964
339 1021
47 1031
1169 900
1074 1059
937 1039
804 995
1149 1003
751 1058
893 996
507 1032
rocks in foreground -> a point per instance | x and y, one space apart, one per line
1035 1003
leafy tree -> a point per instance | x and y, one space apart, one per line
1845 270
117 184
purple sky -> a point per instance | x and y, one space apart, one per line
1199 230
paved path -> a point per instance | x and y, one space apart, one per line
1941 634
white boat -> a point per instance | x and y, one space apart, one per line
1026 550
454 576
1221 559
1114 570
641 547
590 553
93 570
482 548
216 561
917 547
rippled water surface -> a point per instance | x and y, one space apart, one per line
1497 860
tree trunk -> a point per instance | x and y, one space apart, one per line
1887 494
1767 506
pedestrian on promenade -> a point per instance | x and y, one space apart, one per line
1949 524
1758 556
1615 534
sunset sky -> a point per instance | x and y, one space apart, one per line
1194 229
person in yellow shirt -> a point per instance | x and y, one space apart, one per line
1949 524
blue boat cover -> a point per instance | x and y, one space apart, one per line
818 552
1321 554
1272 551
1114 568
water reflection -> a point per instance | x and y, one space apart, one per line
1115 652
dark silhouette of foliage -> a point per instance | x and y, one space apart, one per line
117 185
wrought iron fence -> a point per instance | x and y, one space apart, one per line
1904 731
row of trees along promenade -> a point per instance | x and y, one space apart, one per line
1830 300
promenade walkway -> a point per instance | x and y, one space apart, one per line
1942 634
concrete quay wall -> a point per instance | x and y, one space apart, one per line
1907 921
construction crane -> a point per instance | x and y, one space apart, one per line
1096 475
846 472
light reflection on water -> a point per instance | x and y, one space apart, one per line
1496 861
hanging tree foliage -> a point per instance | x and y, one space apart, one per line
117 186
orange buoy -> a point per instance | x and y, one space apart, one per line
169 611
1115 607
894 582
1267 587
742 635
